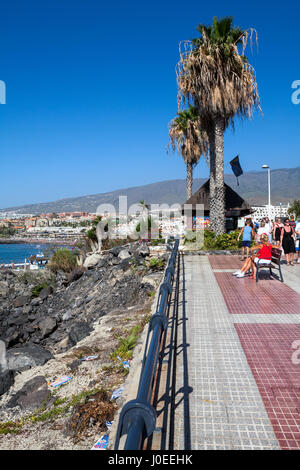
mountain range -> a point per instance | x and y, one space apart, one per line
285 187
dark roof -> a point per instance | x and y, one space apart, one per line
233 201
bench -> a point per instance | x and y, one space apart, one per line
275 264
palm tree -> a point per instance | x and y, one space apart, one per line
189 140
295 208
214 74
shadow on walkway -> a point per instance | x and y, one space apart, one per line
171 392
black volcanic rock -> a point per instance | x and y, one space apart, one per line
25 357
66 312
6 380
32 395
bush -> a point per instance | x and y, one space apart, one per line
156 263
64 260
37 289
226 241
158 241
91 233
209 239
108 244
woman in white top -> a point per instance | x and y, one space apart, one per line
261 231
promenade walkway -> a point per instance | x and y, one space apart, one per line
235 378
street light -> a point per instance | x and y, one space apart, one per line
266 167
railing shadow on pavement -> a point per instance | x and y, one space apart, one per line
172 392
138 417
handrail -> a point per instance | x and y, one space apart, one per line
138 417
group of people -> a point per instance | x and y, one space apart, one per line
268 235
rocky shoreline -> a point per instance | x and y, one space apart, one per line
49 323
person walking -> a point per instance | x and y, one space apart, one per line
247 233
287 242
277 227
269 227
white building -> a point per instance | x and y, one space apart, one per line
275 211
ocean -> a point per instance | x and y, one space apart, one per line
17 252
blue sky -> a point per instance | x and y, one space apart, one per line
91 88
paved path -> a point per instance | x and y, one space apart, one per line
237 369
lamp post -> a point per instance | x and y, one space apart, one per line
266 167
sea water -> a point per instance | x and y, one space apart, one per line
18 252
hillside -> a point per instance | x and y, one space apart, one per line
285 187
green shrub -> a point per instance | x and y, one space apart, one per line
158 241
127 344
91 234
209 239
64 260
156 263
37 289
227 241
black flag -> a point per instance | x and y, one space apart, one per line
236 167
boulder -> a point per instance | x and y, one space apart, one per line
6 380
25 357
4 288
115 250
27 309
32 395
67 315
45 292
79 331
143 250
124 254
47 326
21 300
92 260
12 338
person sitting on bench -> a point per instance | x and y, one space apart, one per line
263 256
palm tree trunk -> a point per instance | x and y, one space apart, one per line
216 183
189 180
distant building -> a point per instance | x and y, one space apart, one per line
30 222
259 212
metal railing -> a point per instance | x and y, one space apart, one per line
138 417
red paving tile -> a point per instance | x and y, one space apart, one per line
225 262
265 296
275 364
